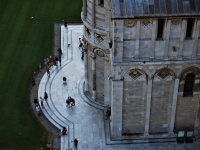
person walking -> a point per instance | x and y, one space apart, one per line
60 60
33 80
48 72
68 102
37 108
56 60
50 62
64 80
59 52
45 63
45 96
80 43
75 143
63 132
42 102
35 101
49 146
40 66
82 54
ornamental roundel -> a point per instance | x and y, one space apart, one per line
129 23
146 23
175 23
100 53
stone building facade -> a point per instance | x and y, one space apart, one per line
142 59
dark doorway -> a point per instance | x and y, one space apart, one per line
189 84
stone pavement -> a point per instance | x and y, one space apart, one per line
86 120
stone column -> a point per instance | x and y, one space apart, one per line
93 13
153 38
196 123
166 38
182 38
106 82
86 68
137 44
84 8
94 94
148 107
108 15
116 109
173 111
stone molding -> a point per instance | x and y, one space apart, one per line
129 23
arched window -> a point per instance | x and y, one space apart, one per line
189 84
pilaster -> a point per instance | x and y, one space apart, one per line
93 13
153 38
84 8
174 103
94 95
195 38
137 39
116 109
182 38
148 107
167 34
106 82
86 68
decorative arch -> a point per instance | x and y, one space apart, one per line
165 72
140 69
192 69
161 67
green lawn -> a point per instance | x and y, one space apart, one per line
24 42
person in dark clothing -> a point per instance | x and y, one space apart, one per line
108 113
68 102
56 60
75 143
59 52
60 60
64 80
35 101
82 54
48 72
45 96
63 132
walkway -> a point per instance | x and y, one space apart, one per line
86 120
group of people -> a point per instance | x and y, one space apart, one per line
36 102
70 102
37 106
50 62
